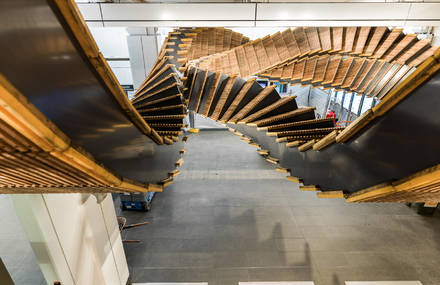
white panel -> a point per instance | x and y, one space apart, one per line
36 221
112 42
424 11
73 230
136 60
422 23
95 24
149 50
90 12
331 11
332 23
119 63
175 283
181 24
109 214
278 283
383 283
176 12
123 74
255 33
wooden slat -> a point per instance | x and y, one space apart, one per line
377 68
413 51
267 109
353 72
287 71
223 97
321 67
361 40
242 61
309 69
301 40
292 45
252 59
280 46
325 39
249 106
235 69
387 43
272 54
260 51
424 56
350 38
331 70
342 71
400 47
211 94
369 64
313 39
290 114
374 41
337 38
298 70
331 194
243 91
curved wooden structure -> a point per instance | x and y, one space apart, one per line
67 126
399 70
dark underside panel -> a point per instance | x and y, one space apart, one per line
404 141
44 63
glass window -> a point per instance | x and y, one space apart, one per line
367 104
356 102
347 100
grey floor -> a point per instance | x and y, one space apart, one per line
229 217
15 250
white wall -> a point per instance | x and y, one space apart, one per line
76 240
112 42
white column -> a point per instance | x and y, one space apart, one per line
142 47
76 240
436 36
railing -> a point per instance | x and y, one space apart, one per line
342 124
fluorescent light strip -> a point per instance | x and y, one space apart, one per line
278 283
171 283
383 283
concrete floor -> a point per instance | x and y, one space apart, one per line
229 217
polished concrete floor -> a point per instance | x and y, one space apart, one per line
230 217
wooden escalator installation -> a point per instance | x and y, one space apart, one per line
67 126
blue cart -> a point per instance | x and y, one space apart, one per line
136 201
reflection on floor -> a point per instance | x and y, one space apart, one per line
297 283
230 217
384 283
180 283
15 250
278 283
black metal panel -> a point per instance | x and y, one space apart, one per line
190 75
210 81
251 94
404 141
42 60
197 88
236 87
218 92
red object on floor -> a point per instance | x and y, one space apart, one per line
331 114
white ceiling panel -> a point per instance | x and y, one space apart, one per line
90 12
178 12
332 11
180 24
424 11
